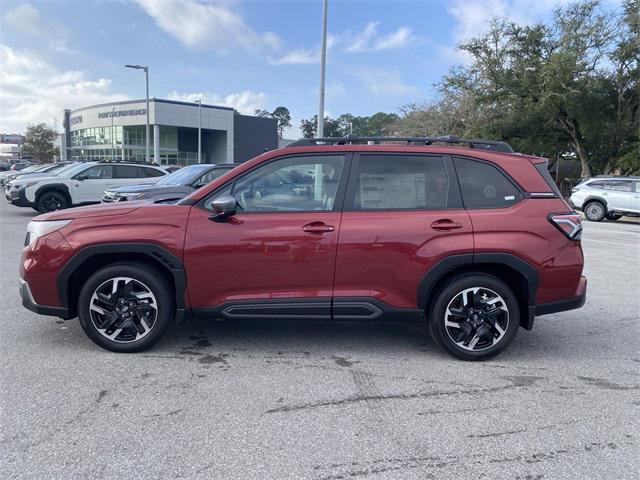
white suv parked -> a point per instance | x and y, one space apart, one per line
82 184
607 197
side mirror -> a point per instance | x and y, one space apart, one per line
223 208
81 177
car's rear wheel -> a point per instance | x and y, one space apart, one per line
51 201
474 316
126 307
595 211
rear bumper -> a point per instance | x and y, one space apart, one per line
29 303
566 304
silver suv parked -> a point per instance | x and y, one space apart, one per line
607 197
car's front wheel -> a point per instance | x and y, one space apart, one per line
126 307
474 316
51 201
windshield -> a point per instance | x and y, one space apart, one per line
184 176
75 169
62 168
32 168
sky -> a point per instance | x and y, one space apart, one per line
251 54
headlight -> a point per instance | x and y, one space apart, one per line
22 186
37 229
130 195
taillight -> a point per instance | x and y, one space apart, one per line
570 224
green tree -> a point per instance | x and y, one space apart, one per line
567 86
379 124
332 127
281 114
39 142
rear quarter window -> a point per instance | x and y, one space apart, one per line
484 185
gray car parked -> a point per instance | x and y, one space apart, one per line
172 187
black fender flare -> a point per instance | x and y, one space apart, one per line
430 279
169 262
61 187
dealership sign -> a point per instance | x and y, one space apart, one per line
123 113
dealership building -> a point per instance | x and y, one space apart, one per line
117 131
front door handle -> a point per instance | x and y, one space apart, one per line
445 224
318 227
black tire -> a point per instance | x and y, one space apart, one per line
50 201
450 292
612 217
595 211
141 274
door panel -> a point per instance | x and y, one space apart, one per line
92 183
619 194
386 254
259 256
280 244
402 215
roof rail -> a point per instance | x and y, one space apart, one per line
497 146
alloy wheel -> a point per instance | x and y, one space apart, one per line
123 309
476 319
594 211
52 203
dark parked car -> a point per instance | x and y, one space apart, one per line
174 186
476 242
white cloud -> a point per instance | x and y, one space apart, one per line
369 40
384 82
33 91
207 25
246 102
26 18
303 56
474 16
298 56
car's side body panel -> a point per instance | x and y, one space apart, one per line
385 254
259 256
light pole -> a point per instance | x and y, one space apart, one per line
199 130
146 76
323 61
113 146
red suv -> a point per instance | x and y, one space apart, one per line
464 234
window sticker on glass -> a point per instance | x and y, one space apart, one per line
509 198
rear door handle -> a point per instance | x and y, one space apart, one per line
318 227
445 224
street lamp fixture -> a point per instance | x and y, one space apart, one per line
146 75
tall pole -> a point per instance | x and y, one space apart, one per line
146 75
199 130
113 146
146 81
323 61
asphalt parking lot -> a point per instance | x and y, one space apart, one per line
323 400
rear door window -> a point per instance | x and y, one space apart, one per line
619 185
401 182
484 185
127 171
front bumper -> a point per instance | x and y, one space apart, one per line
19 198
29 303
